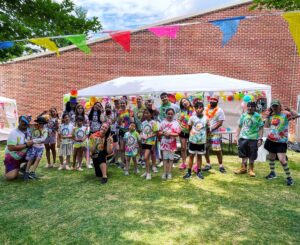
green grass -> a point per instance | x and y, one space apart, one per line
73 208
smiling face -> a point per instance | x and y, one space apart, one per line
139 101
199 110
186 104
170 115
164 99
53 112
251 109
123 105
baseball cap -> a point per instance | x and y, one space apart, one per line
275 102
214 98
25 119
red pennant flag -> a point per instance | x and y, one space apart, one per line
122 38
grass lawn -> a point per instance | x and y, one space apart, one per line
68 207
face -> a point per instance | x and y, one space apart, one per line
149 104
80 109
213 103
73 105
170 115
22 125
139 101
199 110
251 109
104 128
275 108
186 104
132 127
117 103
147 114
52 112
79 123
67 119
123 105
164 99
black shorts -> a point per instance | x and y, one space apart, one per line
197 148
248 149
122 132
184 135
275 147
147 147
101 158
115 136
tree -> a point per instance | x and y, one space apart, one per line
24 19
286 5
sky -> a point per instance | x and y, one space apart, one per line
131 14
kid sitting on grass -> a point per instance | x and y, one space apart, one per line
131 139
65 141
34 155
198 133
79 135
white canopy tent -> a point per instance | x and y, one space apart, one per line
8 116
141 85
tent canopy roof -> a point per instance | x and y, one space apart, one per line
6 100
203 82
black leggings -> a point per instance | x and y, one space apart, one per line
101 159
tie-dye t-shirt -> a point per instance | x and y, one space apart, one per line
149 128
131 143
66 130
183 120
198 131
250 125
218 116
95 124
38 136
52 127
169 143
279 127
125 118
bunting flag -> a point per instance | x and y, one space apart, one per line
228 27
6 44
165 31
79 42
46 43
294 25
123 38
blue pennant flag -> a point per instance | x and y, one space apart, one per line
228 27
6 44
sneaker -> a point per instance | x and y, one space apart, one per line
222 170
240 171
137 171
182 166
89 166
289 181
164 176
271 175
144 175
121 165
103 181
148 176
32 175
169 176
187 176
126 173
195 168
61 167
67 167
79 169
200 176
160 164
26 177
143 164
207 167
154 169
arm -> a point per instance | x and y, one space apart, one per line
20 147
109 147
42 138
218 125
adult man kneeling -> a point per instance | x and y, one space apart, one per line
18 143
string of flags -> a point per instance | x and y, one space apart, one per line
227 26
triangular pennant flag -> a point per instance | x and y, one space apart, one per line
6 44
165 31
80 42
123 38
46 43
228 27
294 25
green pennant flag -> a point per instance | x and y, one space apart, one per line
80 42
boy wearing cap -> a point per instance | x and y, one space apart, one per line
34 155
18 143
276 143
216 117
249 135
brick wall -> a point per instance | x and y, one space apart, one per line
262 51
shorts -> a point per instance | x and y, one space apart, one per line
184 135
65 150
275 147
122 132
115 137
214 142
168 155
50 140
11 163
101 158
247 149
34 152
147 147
197 148
80 144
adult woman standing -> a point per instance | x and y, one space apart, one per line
101 145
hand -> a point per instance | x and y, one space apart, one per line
110 139
29 143
259 143
235 141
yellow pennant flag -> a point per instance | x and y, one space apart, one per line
294 24
46 43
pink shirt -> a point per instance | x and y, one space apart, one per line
169 143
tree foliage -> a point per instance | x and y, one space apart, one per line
23 19
286 5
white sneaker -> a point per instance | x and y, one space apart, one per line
144 175
61 167
89 166
79 169
154 169
164 176
169 176
160 164
137 171
126 173
148 176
